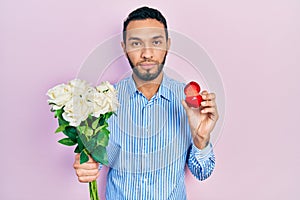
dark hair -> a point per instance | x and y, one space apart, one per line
144 13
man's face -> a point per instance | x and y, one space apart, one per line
146 48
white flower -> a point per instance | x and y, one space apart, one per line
77 110
106 86
79 87
101 104
89 94
105 99
113 101
59 96
78 100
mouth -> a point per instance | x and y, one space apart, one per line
147 65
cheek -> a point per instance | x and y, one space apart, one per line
160 55
133 56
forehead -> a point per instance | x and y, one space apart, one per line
144 29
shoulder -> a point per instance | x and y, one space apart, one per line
174 87
125 86
122 83
173 83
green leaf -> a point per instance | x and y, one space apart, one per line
102 120
85 142
82 138
95 123
61 128
103 137
85 130
62 122
108 115
58 113
80 145
77 150
105 131
89 131
71 132
100 155
103 140
67 141
83 157
100 128
81 129
91 144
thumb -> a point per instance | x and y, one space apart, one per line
185 106
91 159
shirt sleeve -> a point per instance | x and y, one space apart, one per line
201 162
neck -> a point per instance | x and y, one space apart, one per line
148 88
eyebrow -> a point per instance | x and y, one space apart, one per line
157 37
136 38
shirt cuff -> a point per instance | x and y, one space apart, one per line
100 166
201 153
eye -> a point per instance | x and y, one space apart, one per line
156 42
136 44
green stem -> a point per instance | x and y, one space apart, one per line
93 190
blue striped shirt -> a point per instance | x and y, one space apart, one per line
150 144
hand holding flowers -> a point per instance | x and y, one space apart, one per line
82 112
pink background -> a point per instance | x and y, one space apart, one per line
254 44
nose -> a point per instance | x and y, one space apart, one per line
147 53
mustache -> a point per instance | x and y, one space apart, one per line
148 62
132 65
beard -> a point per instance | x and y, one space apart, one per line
148 76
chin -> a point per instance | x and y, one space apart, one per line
146 76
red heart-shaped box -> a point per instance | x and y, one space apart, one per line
193 98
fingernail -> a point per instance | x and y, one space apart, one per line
203 103
204 96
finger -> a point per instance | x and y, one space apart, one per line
87 166
91 160
77 159
83 172
86 179
185 106
211 110
208 103
77 156
212 113
204 92
209 96
189 110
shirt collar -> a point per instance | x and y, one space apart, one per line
131 86
164 90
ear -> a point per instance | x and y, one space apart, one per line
168 44
123 45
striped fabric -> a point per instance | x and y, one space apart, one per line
150 144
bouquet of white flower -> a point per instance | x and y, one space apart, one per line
82 112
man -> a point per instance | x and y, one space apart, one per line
154 134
